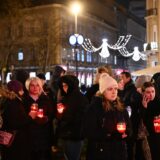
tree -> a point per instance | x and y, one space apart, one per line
11 7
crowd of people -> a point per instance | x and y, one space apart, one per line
117 119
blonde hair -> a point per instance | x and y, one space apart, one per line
38 80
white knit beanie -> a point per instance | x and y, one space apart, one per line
105 82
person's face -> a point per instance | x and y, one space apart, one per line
149 93
34 88
62 74
65 87
21 92
111 93
121 85
124 78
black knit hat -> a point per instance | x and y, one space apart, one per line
15 86
41 76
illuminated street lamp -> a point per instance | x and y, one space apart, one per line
76 9
76 39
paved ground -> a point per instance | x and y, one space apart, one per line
59 154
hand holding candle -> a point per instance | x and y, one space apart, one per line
60 108
34 107
121 128
40 113
33 110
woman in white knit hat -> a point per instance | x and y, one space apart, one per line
107 123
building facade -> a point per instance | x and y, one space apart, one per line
153 32
39 38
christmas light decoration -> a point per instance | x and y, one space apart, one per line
120 45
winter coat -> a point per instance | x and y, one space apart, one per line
104 141
16 119
71 121
92 91
130 97
153 109
42 129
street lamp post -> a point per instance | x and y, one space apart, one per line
76 39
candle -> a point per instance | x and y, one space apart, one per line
34 107
156 123
40 113
121 127
60 108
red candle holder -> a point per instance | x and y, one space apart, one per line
60 108
156 123
40 113
121 127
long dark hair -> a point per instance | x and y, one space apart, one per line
146 85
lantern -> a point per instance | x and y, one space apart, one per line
40 113
156 123
121 127
34 107
60 108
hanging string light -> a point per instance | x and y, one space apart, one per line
120 45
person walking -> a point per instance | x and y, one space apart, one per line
107 123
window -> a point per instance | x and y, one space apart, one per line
82 55
155 33
78 55
89 58
20 55
115 59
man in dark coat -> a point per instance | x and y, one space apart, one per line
131 98
71 120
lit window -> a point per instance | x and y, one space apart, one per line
78 56
32 74
20 55
48 76
89 59
115 59
82 55
8 78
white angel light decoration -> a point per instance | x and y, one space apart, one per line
120 46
